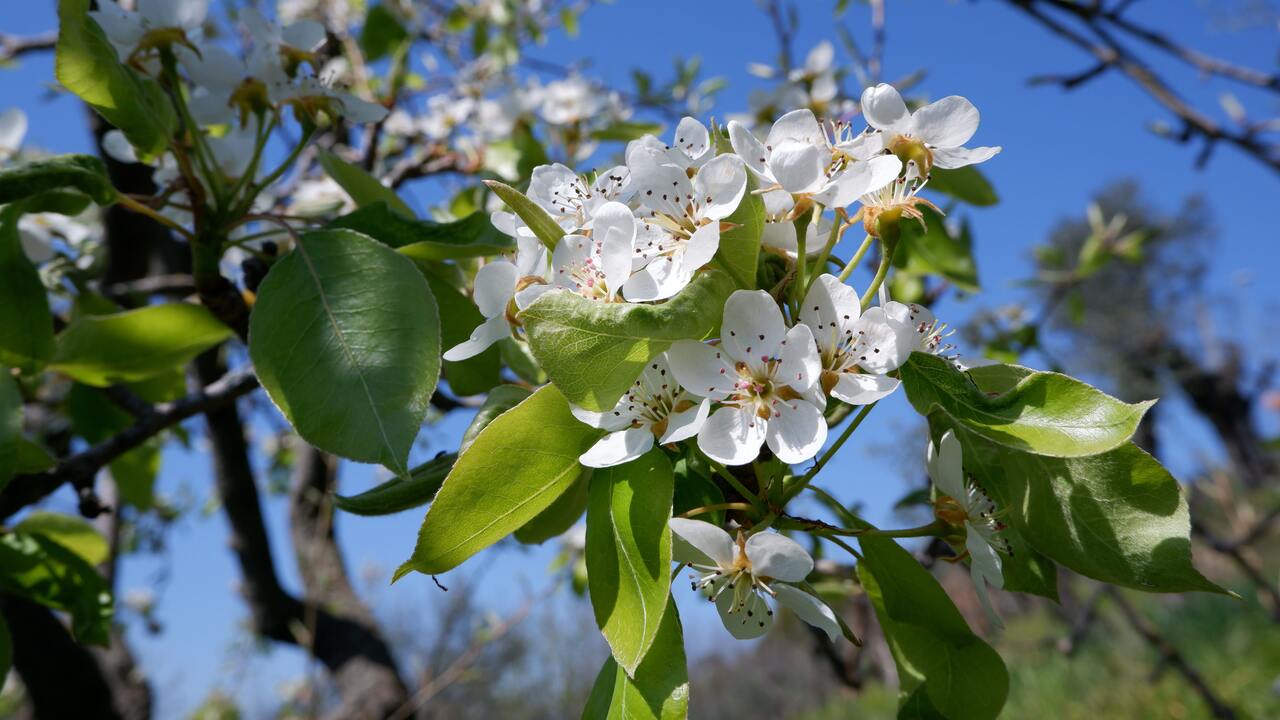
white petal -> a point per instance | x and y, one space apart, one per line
985 560
819 58
777 202
830 309
304 35
750 150
658 280
946 466
884 108
485 334
799 364
809 609
778 557
117 147
732 436
693 140
797 126
752 326
616 419
701 369
797 166
862 388
686 423
701 246
618 447
699 542
525 297
947 123
615 263
718 187
883 343
797 431
37 245
662 187
495 285
13 128
215 68
744 623
949 158
859 179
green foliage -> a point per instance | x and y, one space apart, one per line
659 688
516 467
134 345
32 458
10 426
629 553
84 173
424 240
1045 413
26 325
559 515
458 317
593 351
363 188
399 494
382 33
345 338
498 401
935 251
96 418
739 252
547 230
87 65
73 533
42 570
966 184
960 674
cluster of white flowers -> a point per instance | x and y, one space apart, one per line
640 232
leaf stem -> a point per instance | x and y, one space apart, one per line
142 209
715 506
723 472
837 231
887 249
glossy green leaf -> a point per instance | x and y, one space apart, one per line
137 344
26 325
967 184
964 678
517 466
73 533
593 351
1027 569
659 688
84 173
935 251
424 240
458 317
547 230
400 494
87 65
345 338
559 515
10 426
499 400
42 570
629 553
1046 413
739 252
363 188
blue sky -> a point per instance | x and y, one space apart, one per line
1059 148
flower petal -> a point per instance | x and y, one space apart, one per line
693 140
685 424
495 285
486 333
884 108
949 158
946 466
660 279
618 447
718 187
797 431
778 557
809 609
732 435
797 126
862 388
700 543
752 326
701 369
750 149
797 166
883 343
947 123
799 364
744 623
830 309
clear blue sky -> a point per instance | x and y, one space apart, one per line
1058 149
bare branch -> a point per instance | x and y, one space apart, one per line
14 46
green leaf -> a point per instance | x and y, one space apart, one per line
424 240
26 325
629 553
85 173
517 466
593 351
458 317
87 65
499 400
1045 413
966 184
695 489
559 515
95 418
659 688
547 230
44 571
363 188
345 338
399 494
32 458
73 533
739 252
934 251
381 34
625 130
137 344
1118 517
1027 569
10 426
932 644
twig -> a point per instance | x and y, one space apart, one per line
14 46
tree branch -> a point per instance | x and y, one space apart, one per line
14 46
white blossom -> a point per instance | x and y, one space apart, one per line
13 129
572 201
740 576
127 29
943 127
497 286
596 267
856 349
